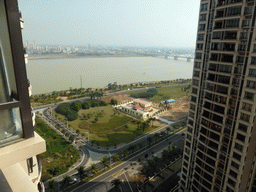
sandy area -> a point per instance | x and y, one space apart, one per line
177 110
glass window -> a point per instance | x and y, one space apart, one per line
199 46
234 10
249 95
202 17
239 147
201 27
204 7
232 23
200 37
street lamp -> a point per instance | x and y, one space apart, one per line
67 122
109 158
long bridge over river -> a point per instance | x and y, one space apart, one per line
176 54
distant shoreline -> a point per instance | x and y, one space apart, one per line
72 56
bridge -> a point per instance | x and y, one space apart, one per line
176 54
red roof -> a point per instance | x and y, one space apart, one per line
147 107
137 107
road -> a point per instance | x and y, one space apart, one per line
41 108
103 178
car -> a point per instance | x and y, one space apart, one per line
74 180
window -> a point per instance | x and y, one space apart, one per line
246 23
197 65
252 72
253 60
254 48
235 165
231 182
248 95
242 127
204 7
240 137
201 27
232 23
198 55
232 173
237 156
234 10
199 46
196 74
216 35
247 106
203 17
251 84
245 117
195 82
200 37
239 147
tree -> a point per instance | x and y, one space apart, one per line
152 121
156 135
78 131
113 102
144 125
66 182
140 145
76 106
116 183
81 172
138 124
94 168
115 157
51 186
86 105
168 130
149 139
71 138
125 152
105 162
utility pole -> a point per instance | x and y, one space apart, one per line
81 83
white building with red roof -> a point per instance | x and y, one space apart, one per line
139 108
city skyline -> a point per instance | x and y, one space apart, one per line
130 23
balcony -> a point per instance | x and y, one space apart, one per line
231 35
229 47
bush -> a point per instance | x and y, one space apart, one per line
63 108
103 103
147 94
72 115
95 104
113 102
86 105
76 106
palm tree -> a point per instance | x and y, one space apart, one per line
144 125
138 124
168 129
149 139
140 145
105 162
116 183
51 186
81 172
152 121
66 181
94 168
156 135
115 157
125 152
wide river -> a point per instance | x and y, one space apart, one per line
60 74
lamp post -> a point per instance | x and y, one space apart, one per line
67 122
109 158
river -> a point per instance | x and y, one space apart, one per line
60 74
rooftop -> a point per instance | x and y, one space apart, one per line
142 101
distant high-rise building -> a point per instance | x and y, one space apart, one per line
34 45
220 146
20 168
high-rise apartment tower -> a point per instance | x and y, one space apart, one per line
220 146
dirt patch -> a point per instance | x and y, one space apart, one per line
63 98
120 98
177 110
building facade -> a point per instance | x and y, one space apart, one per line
219 152
20 169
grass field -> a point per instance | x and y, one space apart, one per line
57 159
168 93
112 128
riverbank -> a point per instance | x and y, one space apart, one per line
74 56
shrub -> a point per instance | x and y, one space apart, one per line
86 105
113 102
95 104
146 94
77 105
72 115
103 103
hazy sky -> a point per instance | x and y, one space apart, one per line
168 23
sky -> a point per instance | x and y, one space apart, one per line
157 23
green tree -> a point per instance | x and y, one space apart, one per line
78 131
115 157
81 172
125 152
113 102
94 168
149 139
144 125
156 135
71 138
86 105
116 183
51 186
76 106
105 162
66 182
168 129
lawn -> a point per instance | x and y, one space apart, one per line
60 155
168 93
111 128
